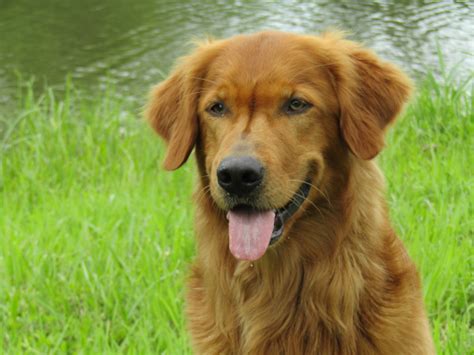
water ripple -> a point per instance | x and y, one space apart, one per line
133 43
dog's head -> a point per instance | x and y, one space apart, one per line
267 112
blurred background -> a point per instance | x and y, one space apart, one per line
133 43
96 239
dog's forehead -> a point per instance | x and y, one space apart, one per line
265 58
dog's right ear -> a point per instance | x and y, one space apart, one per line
172 107
171 112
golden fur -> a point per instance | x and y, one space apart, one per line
339 281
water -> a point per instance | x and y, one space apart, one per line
133 43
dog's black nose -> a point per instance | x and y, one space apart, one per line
240 175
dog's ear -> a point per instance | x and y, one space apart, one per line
371 94
172 107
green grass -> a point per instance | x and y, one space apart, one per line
95 238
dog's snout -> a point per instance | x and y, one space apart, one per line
240 175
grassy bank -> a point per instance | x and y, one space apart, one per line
95 239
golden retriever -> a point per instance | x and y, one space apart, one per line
295 251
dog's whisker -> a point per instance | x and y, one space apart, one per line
201 193
192 94
324 194
291 198
204 79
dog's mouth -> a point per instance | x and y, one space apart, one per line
252 231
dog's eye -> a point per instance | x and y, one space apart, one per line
295 106
217 109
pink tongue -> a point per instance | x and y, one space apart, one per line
250 233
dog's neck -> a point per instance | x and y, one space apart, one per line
349 212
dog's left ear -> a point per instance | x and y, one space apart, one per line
172 107
371 94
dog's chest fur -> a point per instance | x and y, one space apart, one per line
301 298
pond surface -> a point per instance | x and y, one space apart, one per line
132 43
